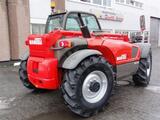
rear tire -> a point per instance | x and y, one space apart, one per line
142 77
87 88
23 75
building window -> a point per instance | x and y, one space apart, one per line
138 4
130 2
120 1
133 3
98 2
38 28
107 2
85 0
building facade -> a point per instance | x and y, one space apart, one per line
14 28
115 16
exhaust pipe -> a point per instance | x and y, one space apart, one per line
84 28
85 32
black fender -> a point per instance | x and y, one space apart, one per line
145 49
74 59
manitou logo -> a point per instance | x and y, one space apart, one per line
122 57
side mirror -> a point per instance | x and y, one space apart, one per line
85 32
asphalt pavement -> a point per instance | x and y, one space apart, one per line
128 102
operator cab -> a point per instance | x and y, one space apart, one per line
73 21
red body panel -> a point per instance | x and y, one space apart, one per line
112 49
48 40
42 65
43 73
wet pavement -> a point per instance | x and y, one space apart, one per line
128 103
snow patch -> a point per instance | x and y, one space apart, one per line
155 89
5 102
17 64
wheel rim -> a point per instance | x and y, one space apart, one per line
148 66
94 86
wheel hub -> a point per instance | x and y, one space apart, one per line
95 86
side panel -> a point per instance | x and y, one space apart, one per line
127 69
97 44
117 52
123 52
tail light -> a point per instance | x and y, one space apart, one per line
65 44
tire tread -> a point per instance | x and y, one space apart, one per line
70 83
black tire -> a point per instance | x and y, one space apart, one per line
142 77
23 75
73 82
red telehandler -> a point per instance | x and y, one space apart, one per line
84 62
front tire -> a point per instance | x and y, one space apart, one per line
142 77
87 88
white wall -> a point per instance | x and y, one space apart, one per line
131 14
131 17
153 7
39 11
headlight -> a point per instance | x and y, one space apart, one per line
36 41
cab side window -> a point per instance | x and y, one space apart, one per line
72 23
91 22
